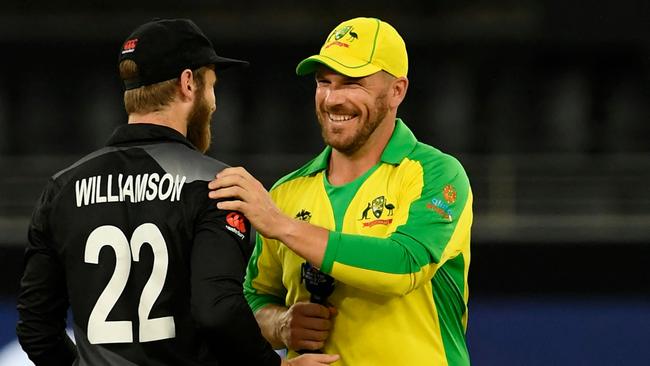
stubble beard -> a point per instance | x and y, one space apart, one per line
352 144
198 124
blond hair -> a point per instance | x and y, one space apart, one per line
154 97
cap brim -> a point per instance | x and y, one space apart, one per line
348 66
222 63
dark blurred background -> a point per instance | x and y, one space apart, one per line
546 103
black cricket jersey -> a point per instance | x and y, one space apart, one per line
151 269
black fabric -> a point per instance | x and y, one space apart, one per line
163 48
133 235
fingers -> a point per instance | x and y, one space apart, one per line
233 177
332 310
227 181
313 359
234 172
326 359
316 323
232 206
314 336
311 310
303 337
229 192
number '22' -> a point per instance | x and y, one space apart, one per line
101 330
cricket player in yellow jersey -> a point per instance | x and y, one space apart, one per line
384 215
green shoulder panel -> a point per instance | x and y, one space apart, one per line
432 220
314 165
433 217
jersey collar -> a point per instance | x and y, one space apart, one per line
137 133
401 143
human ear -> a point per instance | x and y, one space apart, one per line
187 84
398 89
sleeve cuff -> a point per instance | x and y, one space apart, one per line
257 302
333 243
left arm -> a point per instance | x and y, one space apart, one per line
219 309
43 301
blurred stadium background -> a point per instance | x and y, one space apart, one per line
547 104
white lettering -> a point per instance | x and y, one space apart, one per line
99 198
82 189
153 186
109 193
130 188
178 186
94 188
235 231
140 186
164 195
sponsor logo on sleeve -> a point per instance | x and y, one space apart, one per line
449 192
441 206
236 223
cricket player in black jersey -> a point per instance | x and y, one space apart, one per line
127 238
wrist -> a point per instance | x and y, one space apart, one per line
281 324
285 228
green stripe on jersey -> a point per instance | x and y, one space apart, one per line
255 300
450 313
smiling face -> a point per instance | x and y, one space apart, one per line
349 109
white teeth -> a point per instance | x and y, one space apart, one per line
340 117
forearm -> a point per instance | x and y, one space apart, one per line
306 240
269 319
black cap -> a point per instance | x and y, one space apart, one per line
163 48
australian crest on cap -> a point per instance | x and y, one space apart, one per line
339 33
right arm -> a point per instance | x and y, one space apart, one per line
302 325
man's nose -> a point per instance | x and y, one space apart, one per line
334 97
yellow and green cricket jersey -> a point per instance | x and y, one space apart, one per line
398 249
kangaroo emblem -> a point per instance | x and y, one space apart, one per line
364 215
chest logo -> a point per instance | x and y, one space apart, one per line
303 215
377 206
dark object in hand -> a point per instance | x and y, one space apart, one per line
319 284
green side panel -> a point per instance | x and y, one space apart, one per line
255 300
448 297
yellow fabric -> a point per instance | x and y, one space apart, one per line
361 47
404 233
371 325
